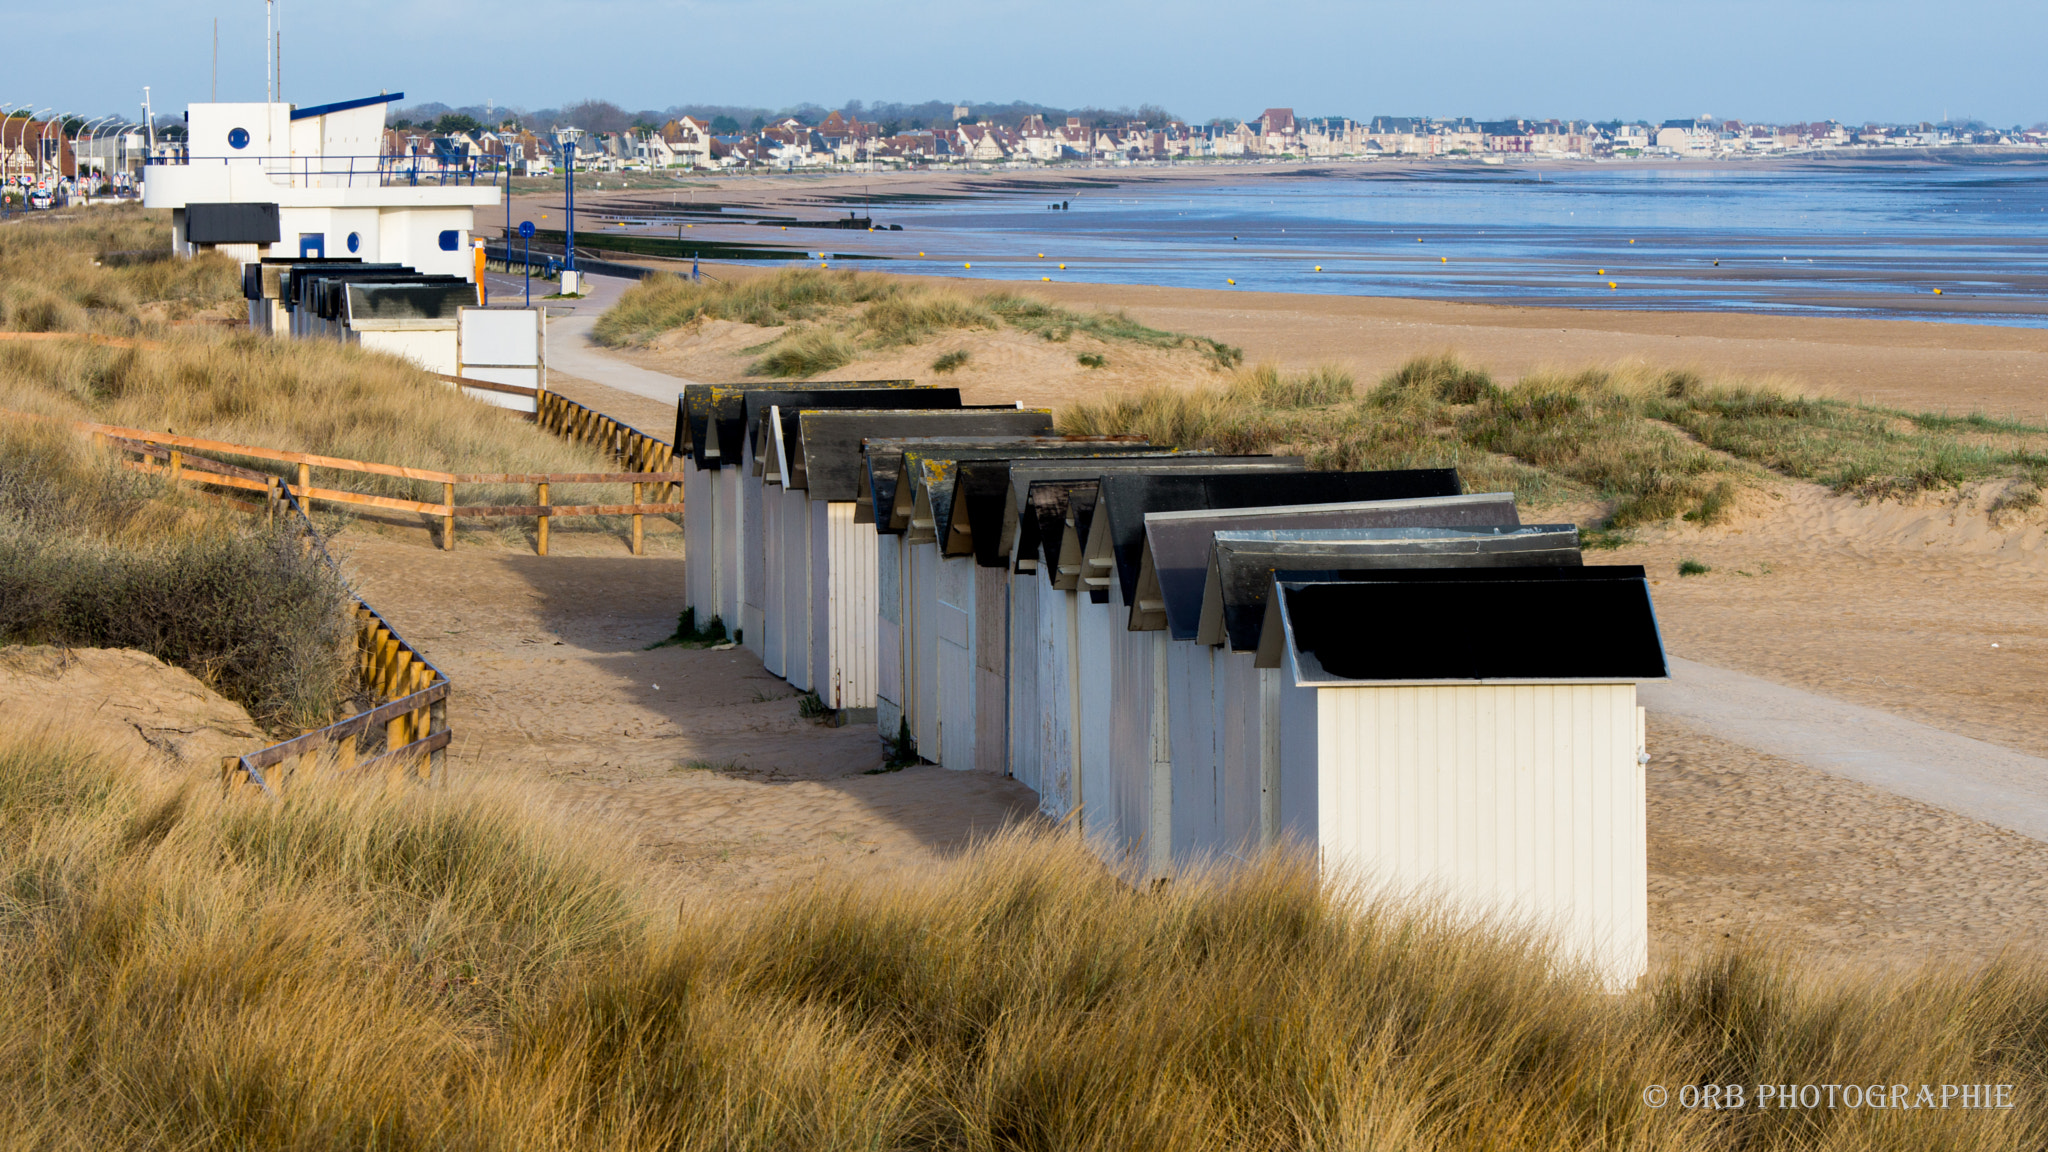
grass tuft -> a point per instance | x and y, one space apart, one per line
950 361
805 352
1691 567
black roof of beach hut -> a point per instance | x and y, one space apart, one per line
757 401
711 418
935 467
1241 564
1173 552
1127 495
1546 625
839 434
1034 519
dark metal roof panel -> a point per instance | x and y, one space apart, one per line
1128 495
1024 529
308 113
1517 624
1241 564
1173 557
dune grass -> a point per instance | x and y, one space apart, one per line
1647 445
60 274
356 967
93 555
856 310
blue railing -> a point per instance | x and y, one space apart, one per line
346 171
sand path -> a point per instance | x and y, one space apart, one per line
1969 777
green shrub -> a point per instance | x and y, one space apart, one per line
950 361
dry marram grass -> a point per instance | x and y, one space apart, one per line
356 966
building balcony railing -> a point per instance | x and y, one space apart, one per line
353 171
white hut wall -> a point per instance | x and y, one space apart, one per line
1098 795
889 582
818 596
991 667
1020 705
699 541
1236 723
953 618
1197 770
794 572
1059 688
727 503
920 657
1138 739
1294 739
753 547
851 659
771 579
1523 802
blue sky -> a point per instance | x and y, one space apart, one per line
1750 59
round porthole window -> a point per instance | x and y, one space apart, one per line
355 241
238 137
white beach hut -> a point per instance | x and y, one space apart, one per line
1044 676
1476 740
1139 827
1223 710
759 525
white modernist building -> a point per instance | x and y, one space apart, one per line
274 180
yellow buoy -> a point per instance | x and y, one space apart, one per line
1612 284
1047 279
1230 281
1445 259
1937 291
1319 267
1063 265
920 253
1631 241
1041 255
967 265
1603 271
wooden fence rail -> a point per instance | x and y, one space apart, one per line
176 454
408 698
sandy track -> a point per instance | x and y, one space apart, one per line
699 755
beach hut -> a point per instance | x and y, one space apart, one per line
711 433
761 496
1045 699
1472 736
1139 794
957 636
1223 711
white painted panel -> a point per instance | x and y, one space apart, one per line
498 337
1424 788
991 650
818 596
753 545
771 579
920 640
1059 770
730 483
1021 708
796 590
1296 739
1197 792
853 658
1238 738
432 350
1131 744
696 540
1098 794
888 634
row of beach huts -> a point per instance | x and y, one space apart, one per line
1189 655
